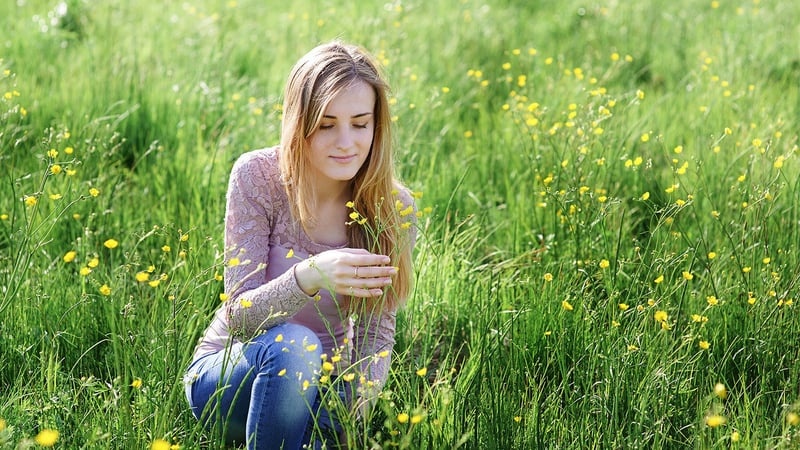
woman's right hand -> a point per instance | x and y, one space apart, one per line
347 271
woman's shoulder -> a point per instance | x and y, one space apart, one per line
264 158
257 167
404 195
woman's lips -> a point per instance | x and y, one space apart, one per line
343 159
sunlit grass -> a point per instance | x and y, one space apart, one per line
607 259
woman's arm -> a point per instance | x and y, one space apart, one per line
254 302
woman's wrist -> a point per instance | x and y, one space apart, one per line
305 274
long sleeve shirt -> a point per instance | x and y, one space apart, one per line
262 245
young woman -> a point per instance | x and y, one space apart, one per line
318 257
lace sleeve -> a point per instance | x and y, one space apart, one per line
254 302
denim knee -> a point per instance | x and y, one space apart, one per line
287 346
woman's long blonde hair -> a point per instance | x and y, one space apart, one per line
313 83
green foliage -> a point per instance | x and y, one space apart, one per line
613 225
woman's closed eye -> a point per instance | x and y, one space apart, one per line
328 126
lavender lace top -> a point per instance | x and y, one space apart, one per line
262 290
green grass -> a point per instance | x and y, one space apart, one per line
646 140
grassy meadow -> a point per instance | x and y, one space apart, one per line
610 258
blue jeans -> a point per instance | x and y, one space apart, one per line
265 392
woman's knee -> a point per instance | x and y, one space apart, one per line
288 345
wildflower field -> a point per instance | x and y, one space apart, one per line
608 241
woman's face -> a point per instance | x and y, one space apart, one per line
341 144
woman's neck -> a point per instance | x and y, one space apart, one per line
332 193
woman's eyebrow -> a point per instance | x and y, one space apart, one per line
357 116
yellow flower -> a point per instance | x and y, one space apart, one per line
327 367
223 296
137 383
279 338
659 280
712 255
52 153
233 262
154 283
70 256
792 419
416 418
160 444
85 271
94 262
705 345
31 200
111 243
645 196
383 354
604 264
632 348
142 277
47 437
660 316
720 391
623 306
94 192
55 169
311 348
402 418
712 300
566 305
290 253
166 248
282 372
687 275
349 204
422 371
245 303
548 276
715 420
105 290
348 377
735 436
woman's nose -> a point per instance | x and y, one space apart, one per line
344 139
